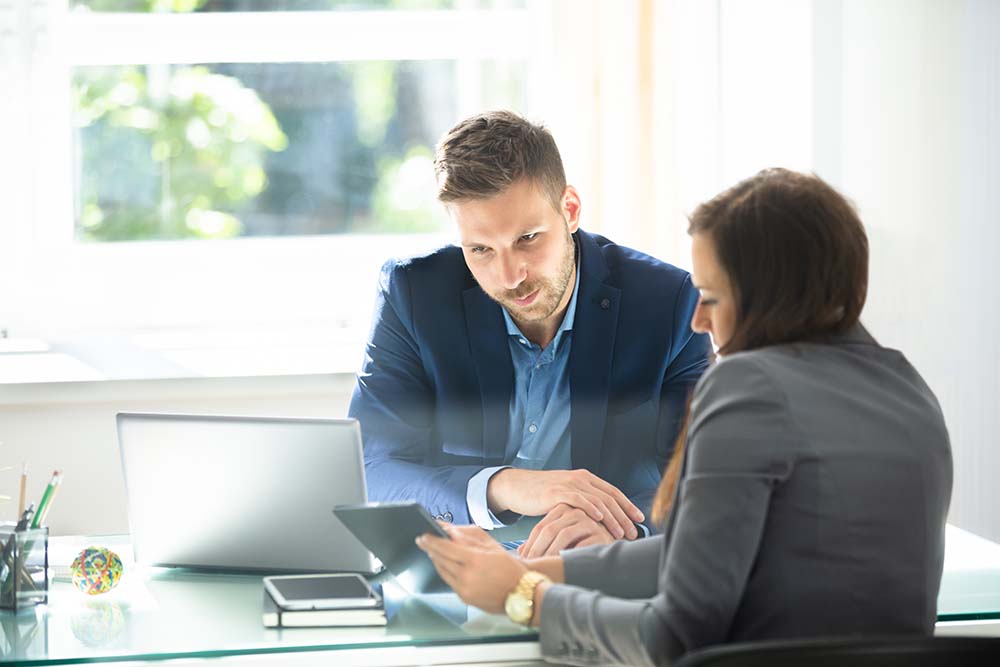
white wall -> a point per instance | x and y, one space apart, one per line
918 130
903 100
71 426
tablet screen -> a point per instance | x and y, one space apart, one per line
320 587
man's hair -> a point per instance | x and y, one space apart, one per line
796 255
484 155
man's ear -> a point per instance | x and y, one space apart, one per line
571 208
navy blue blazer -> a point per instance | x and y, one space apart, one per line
433 395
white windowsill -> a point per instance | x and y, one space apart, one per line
188 363
48 393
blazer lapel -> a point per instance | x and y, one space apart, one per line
591 355
491 353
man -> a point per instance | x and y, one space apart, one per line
535 370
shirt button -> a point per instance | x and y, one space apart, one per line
449 517
438 517
523 342
532 428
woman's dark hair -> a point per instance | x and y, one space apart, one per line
796 255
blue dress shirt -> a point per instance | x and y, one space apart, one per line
539 409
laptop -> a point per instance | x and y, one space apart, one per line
242 493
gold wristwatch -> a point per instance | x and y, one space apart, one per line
520 604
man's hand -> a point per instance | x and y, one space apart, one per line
537 492
564 527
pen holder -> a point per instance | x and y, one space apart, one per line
24 567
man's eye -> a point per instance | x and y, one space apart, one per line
477 250
707 302
529 237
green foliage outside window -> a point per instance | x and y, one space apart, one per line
204 137
179 152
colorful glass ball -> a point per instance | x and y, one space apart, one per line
96 570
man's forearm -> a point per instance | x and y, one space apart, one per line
495 491
440 489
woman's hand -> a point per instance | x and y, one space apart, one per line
472 536
474 565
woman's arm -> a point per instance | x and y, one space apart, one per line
550 566
622 569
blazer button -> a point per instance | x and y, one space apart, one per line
605 304
449 517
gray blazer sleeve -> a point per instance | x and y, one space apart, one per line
740 445
598 568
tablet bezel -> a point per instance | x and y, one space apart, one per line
272 585
389 531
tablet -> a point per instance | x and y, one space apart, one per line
321 591
389 531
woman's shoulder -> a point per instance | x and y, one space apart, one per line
751 371
757 386
741 421
775 367
743 386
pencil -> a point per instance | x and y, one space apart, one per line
24 489
46 500
48 505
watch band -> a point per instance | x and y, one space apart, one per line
521 601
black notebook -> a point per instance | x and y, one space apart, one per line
276 617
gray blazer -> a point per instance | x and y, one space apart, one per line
813 500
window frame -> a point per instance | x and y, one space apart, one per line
66 287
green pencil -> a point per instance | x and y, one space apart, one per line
43 504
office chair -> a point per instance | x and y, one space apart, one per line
847 652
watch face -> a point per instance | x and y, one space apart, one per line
518 608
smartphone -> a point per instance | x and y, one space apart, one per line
321 591
388 530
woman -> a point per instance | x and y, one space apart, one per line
809 494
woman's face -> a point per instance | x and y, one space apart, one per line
716 311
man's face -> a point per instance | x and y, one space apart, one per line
519 249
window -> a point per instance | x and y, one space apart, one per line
232 171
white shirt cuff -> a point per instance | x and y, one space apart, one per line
475 498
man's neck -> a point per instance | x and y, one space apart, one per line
540 333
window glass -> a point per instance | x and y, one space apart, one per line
244 149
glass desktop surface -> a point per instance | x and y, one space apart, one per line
970 586
171 613
159 613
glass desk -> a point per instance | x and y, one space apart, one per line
156 613
970 587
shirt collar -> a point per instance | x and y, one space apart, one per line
568 318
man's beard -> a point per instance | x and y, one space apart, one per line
551 291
